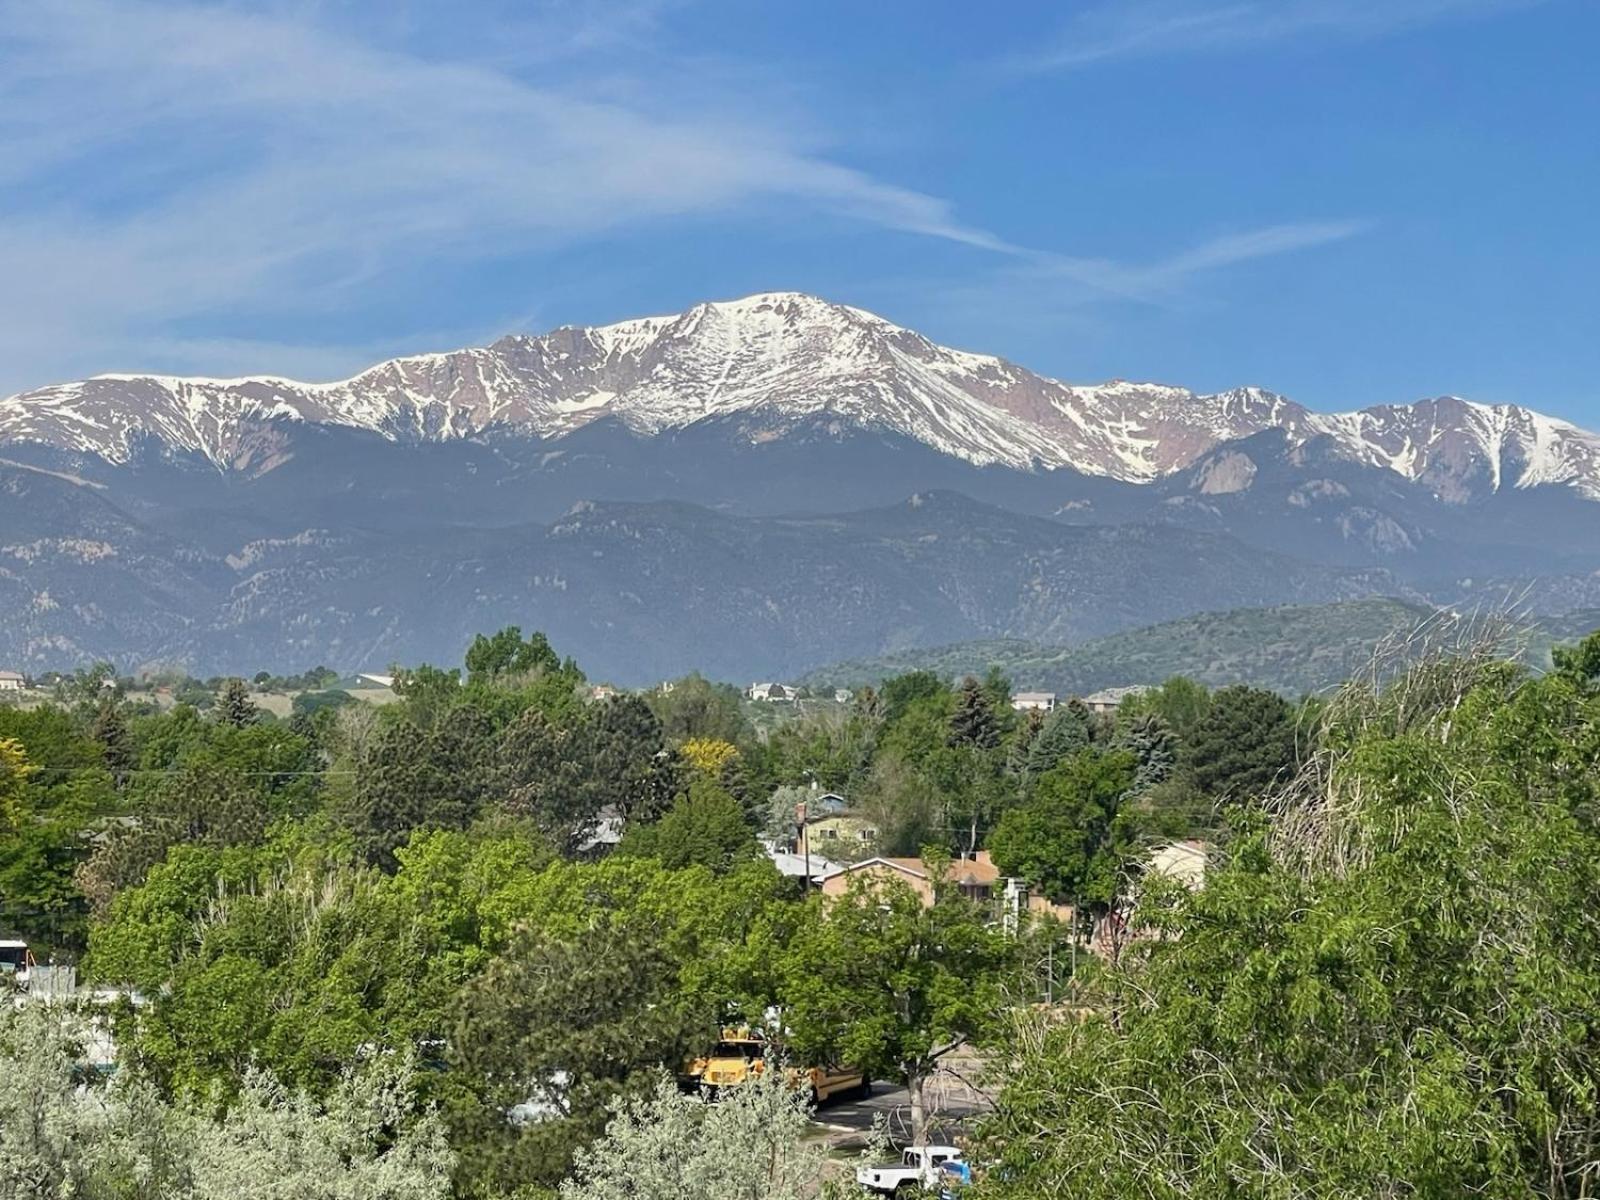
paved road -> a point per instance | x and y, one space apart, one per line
953 1104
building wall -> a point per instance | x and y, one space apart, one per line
838 837
837 885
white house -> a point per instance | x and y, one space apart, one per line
10 681
1033 701
770 691
383 681
1183 861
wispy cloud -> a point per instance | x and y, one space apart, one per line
173 173
162 161
1164 278
1124 29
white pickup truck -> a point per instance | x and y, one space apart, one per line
917 1171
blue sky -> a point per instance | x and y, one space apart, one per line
1351 201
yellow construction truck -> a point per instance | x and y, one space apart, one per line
741 1053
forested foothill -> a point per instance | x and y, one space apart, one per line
459 945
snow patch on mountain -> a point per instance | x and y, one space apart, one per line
778 359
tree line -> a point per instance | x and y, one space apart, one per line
1383 988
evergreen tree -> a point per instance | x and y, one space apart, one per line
413 778
235 707
973 723
564 1027
1150 739
110 729
1022 743
1243 744
1065 732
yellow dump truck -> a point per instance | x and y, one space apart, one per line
740 1053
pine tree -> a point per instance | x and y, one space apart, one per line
1022 744
111 731
1063 735
236 708
1243 744
973 723
1152 741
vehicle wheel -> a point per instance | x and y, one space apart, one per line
865 1089
816 1097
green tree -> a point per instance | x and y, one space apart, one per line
508 653
973 724
1065 839
1245 742
698 708
900 693
235 706
1151 741
428 691
705 826
1180 702
554 1033
66 1134
617 970
755 1143
110 729
1065 732
413 778
1383 992
200 805
311 703
15 773
882 981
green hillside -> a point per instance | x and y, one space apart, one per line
1291 648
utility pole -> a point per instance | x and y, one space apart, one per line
805 842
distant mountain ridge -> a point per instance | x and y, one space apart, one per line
1293 649
637 591
778 362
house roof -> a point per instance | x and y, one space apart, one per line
970 872
795 865
10 675
1033 696
1183 861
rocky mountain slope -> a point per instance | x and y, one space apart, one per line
779 361
636 591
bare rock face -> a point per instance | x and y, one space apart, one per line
777 361
1225 474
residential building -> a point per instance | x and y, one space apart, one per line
10 681
1183 861
772 692
842 695
602 691
1107 699
976 877
383 681
795 866
839 834
1033 701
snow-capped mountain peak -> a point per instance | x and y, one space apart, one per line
776 359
